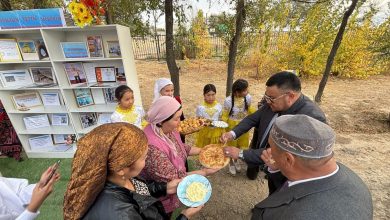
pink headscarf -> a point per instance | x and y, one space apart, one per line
160 110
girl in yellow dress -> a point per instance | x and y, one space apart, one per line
209 109
126 111
237 107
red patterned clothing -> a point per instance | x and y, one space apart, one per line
159 168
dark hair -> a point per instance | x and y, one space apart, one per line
238 86
167 119
120 91
209 87
285 80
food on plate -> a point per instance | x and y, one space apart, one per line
196 192
212 156
191 125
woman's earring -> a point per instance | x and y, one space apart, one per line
123 177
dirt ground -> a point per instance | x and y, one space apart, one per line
358 110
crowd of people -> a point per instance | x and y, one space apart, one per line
130 169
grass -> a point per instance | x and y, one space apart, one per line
32 169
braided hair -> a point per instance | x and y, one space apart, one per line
238 86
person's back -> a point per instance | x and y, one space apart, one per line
116 202
342 196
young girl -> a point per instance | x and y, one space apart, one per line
164 87
212 110
126 111
236 107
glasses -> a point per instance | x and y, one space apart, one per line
272 100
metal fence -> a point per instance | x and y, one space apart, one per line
153 47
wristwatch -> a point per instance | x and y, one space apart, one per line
241 154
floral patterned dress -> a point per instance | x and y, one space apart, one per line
159 168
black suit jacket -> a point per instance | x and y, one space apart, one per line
341 196
262 117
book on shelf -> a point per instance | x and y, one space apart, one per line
74 49
114 49
41 49
15 78
9 50
109 95
105 74
41 143
59 119
43 75
28 49
104 118
50 98
75 72
88 119
36 121
95 46
83 97
120 74
89 69
25 101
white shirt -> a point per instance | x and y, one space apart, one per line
238 110
133 116
15 195
213 113
292 183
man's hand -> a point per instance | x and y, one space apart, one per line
225 137
40 192
266 156
231 152
172 186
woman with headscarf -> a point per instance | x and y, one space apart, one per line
104 183
164 87
167 153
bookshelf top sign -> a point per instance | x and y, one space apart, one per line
20 19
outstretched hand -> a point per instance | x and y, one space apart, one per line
41 191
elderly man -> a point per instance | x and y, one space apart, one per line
282 96
317 186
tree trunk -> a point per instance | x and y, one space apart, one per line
6 5
335 47
240 17
171 62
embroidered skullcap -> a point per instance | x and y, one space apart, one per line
303 136
107 148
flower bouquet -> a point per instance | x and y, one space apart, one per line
87 12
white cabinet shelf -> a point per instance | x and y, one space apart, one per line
50 130
86 60
52 38
45 109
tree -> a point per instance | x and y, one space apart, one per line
200 37
6 5
333 51
240 18
171 62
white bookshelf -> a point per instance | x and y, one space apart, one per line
52 38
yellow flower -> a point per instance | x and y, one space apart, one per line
81 10
71 7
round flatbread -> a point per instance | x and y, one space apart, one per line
212 156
